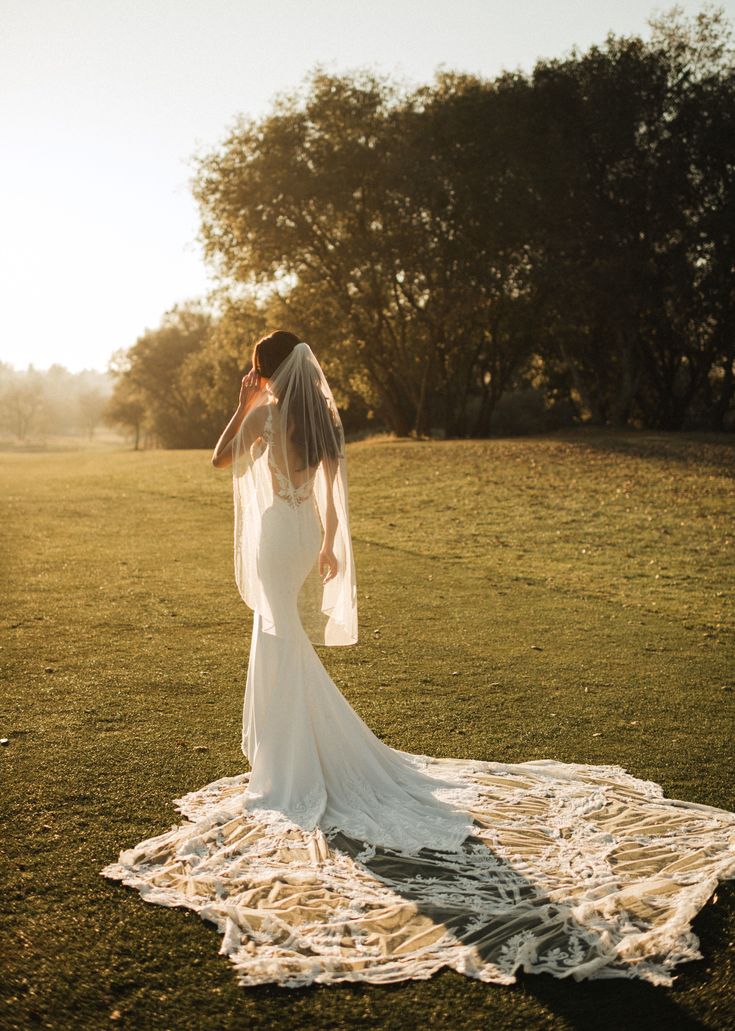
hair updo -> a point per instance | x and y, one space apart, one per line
271 350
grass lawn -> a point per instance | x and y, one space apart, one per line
567 596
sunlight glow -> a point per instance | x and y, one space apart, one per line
103 105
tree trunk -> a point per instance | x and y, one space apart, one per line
586 398
421 428
628 388
723 402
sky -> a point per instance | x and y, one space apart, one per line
104 103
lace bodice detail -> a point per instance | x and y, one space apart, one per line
295 494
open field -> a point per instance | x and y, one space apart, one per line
104 439
567 596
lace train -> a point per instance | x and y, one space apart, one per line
572 870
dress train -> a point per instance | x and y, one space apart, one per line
340 859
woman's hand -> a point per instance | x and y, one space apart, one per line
327 564
248 388
251 385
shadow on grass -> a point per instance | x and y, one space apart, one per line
604 1004
621 1004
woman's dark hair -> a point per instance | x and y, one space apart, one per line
269 352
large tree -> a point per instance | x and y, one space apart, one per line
374 217
154 372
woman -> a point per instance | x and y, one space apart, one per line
339 858
312 758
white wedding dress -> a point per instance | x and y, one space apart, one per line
338 858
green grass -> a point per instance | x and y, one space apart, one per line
567 596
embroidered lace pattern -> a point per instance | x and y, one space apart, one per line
294 494
571 870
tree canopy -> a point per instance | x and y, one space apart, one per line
567 232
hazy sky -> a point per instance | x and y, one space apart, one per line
103 103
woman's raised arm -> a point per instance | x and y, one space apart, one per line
249 390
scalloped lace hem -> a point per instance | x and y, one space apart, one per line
570 870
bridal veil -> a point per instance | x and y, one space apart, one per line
291 441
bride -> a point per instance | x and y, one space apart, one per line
339 858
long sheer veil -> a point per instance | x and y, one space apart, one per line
290 468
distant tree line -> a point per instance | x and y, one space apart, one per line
37 404
531 251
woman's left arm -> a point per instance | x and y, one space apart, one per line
328 565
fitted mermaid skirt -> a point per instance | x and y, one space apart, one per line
337 858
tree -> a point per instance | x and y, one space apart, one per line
22 403
470 289
390 225
214 372
154 375
126 409
302 199
92 405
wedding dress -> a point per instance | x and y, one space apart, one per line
340 859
